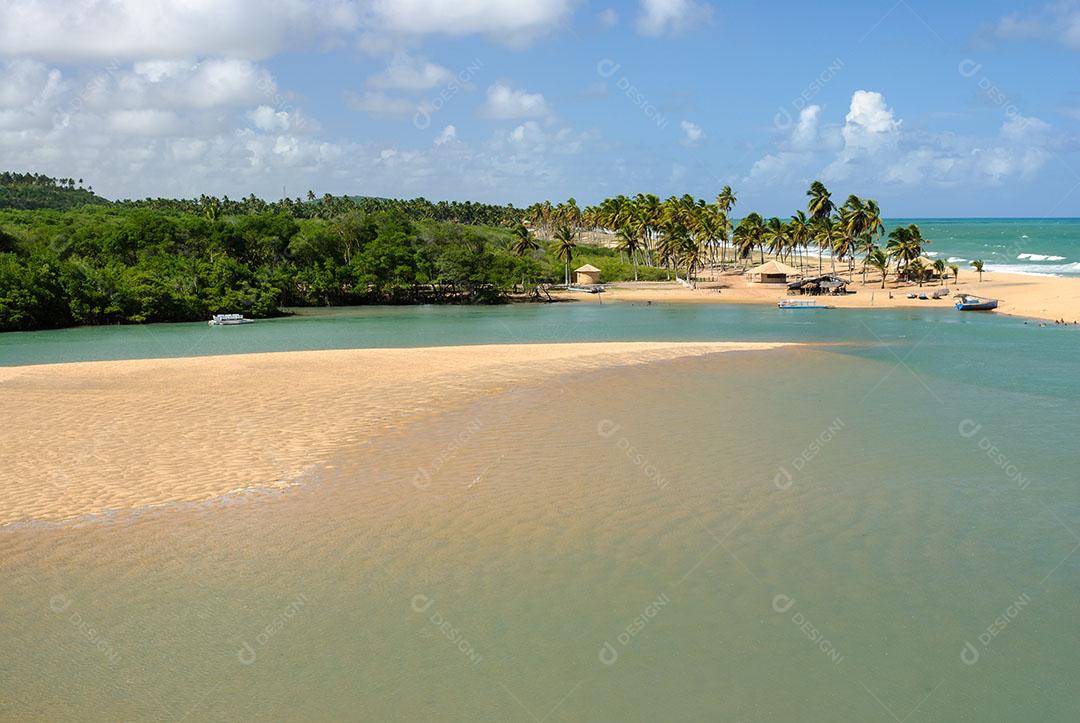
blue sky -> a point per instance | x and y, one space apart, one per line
934 109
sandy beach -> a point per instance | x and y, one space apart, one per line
89 437
1039 297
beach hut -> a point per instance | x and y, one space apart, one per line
771 272
587 275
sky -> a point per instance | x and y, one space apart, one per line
933 108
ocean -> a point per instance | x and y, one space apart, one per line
1044 246
884 525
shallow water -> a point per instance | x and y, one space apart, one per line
812 534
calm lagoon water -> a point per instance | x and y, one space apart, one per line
879 527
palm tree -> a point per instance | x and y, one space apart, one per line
820 205
524 244
879 260
799 231
917 269
564 246
628 242
977 264
955 272
310 196
939 268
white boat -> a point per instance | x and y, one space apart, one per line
228 320
801 304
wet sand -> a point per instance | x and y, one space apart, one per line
91 437
1039 297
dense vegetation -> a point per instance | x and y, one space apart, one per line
176 260
68 257
32 190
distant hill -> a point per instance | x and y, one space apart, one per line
33 191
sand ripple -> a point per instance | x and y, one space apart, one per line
90 437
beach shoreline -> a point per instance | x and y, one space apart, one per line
1047 298
136 433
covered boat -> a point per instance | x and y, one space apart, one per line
228 320
966 302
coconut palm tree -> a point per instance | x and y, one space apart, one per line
955 272
879 260
564 246
523 245
820 204
628 242
799 231
939 268
917 269
977 264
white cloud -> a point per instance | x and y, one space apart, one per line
692 133
872 148
404 72
869 123
76 30
446 135
147 122
609 18
506 21
377 103
672 16
1058 21
506 103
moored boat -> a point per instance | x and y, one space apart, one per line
228 320
966 302
801 304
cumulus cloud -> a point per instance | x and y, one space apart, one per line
377 103
872 148
1058 21
404 72
806 130
692 133
446 135
506 21
506 103
102 30
658 17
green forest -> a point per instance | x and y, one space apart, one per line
69 257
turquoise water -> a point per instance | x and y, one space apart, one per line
885 526
1017 245
364 327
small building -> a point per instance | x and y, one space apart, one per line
815 285
771 272
587 275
